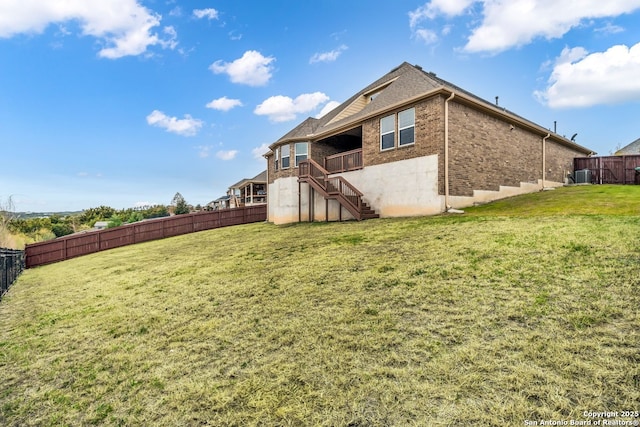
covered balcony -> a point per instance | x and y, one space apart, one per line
342 152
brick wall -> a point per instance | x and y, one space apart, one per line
319 151
486 152
291 170
559 161
429 136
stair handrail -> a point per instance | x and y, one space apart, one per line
312 170
354 199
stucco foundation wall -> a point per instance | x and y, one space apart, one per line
322 206
398 189
402 188
486 196
283 201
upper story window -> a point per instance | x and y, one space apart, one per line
302 152
284 156
387 132
276 158
406 126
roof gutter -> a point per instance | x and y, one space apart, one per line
461 97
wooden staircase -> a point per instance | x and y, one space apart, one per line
336 188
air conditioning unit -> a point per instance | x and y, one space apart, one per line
583 176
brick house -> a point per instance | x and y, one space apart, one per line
246 192
409 144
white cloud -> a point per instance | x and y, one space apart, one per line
205 13
204 151
282 108
226 154
328 56
186 127
329 106
580 79
426 36
438 7
124 27
251 69
224 104
258 152
609 28
234 35
171 42
512 23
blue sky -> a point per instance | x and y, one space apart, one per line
126 102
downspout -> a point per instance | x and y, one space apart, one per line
544 159
267 186
446 152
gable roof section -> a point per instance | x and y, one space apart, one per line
633 148
404 84
260 178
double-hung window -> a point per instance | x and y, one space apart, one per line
387 132
284 156
276 157
406 126
302 152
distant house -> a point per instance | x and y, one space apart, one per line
246 192
410 143
249 192
633 148
220 203
101 225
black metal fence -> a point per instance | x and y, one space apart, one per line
12 263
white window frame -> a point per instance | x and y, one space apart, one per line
277 157
392 131
288 156
306 154
401 128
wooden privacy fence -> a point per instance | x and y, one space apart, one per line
11 265
610 169
94 241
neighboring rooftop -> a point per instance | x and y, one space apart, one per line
633 148
260 178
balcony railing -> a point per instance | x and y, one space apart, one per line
344 162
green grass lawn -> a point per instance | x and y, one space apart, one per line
525 309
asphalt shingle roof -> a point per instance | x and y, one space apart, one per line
633 148
401 84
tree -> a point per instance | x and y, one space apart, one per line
114 221
180 204
102 213
61 229
6 216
